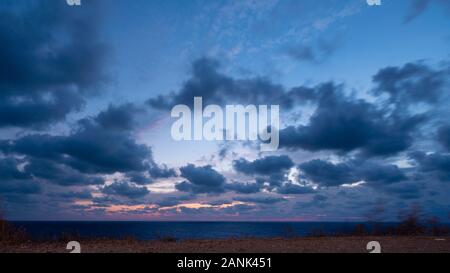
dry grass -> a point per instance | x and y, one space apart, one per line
350 244
11 234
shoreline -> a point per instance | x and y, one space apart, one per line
327 244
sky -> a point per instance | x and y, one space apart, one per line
87 91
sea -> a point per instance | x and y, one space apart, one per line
184 230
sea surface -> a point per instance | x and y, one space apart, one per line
183 230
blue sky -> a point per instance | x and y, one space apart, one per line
81 136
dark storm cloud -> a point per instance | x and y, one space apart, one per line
173 200
9 170
201 180
444 136
161 171
262 199
139 178
208 82
153 171
95 147
120 117
90 148
318 201
380 174
216 88
244 188
412 83
20 187
111 198
342 123
14 181
406 190
125 189
59 174
436 164
51 59
264 166
72 195
290 188
329 175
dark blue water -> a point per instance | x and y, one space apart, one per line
181 230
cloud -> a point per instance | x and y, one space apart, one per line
139 178
315 54
161 171
417 8
343 124
120 117
290 188
436 164
9 170
214 87
72 195
59 174
173 200
327 174
406 190
318 201
444 136
90 148
264 166
14 181
201 180
44 77
411 83
99 145
261 199
125 189
244 188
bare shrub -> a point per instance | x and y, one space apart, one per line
410 224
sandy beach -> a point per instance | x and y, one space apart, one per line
251 245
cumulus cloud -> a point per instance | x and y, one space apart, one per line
411 83
343 124
125 189
433 164
201 180
244 188
14 181
264 166
328 174
99 145
120 117
318 201
214 87
72 195
261 199
59 173
444 136
290 188
161 171
93 147
42 78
